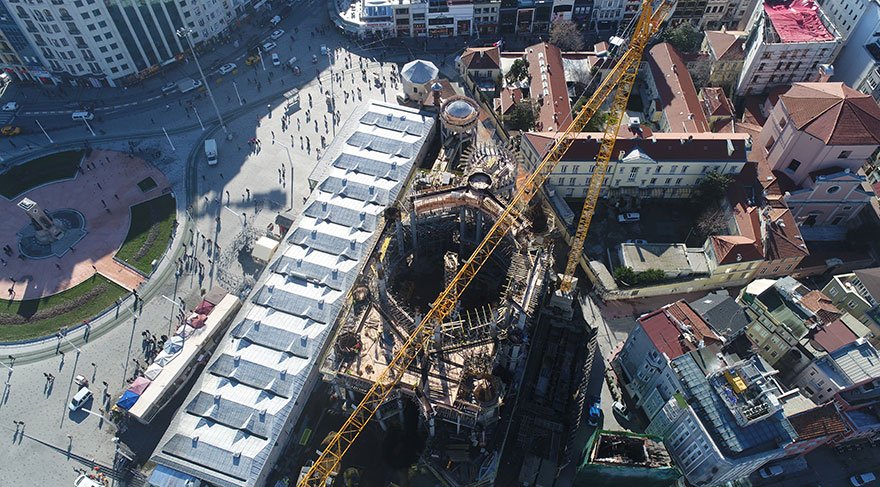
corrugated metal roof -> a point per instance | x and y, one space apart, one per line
858 361
235 414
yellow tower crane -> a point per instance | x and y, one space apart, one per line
622 77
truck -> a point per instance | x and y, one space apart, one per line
211 151
188 84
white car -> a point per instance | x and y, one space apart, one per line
81 397
269 46
10 106
169 87
637 241
276 61
770 471
277 34
324 49
862 479
629 217
227 68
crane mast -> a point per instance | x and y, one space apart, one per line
621 76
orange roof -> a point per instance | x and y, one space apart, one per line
834 113
821 304
716 102
548 87
481 58
676 90
725 46
730 249
819 421
507 99
664 329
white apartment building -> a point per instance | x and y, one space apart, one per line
858 64
787 41
97 43
666 165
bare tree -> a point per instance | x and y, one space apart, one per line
565 35
712 221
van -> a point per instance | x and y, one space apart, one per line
80 398
82 116
211 151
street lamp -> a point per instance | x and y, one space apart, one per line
287 149
62 336
234 85
196 111
243 216
175 305
187 34
332 107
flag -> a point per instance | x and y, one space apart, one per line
498 43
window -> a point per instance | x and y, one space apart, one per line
678 181
705 168
102 24
851 304
844 154
653 180
833 189
794 165
572 181
833 292
668 180
564 168
632 174
769 145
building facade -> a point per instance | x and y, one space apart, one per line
858 293
89 43
725 52
666 165
830 373
858 63
780 50
834 198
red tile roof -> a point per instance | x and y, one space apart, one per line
834 335
548 87
481 58
817 422
819 303
675 88
665 329
660 146
834 113
507 98
716 102
725 46
730 249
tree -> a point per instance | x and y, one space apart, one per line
518 71
522 116
565 35
711 221
625 275
684 37
711 189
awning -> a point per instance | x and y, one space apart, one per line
127 400
139 385
153 371
163 476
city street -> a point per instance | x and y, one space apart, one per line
261 172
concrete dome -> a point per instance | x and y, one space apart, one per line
419 72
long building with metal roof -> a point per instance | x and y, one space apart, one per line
236 420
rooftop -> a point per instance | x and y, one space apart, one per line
484 58
870 278
726 46
832 336
797 21
833 113
235 415
785 313
721 312
675 88
659 147
676 329
673 259
548 87
818 422
769 432
858 361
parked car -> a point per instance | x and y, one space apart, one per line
275 20
169 87
252 60
595 410
619 409
269 46
277 34
770 471
81 397
629 217
276 61
324 49
10 130
11 106
638 241
862 479
227 68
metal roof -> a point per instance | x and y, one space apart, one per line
260 374
858 361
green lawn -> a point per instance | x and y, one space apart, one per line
33 318
24 177
147 239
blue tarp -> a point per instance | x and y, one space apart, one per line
127 400
163 476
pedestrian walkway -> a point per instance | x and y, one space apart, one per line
102 191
